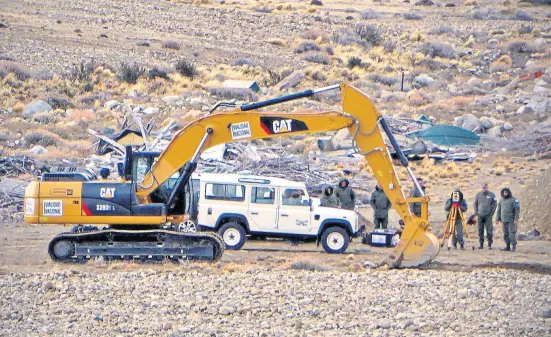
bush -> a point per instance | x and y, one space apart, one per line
81 72
88 87
41 137
522 16
155 72
329 51
504 63
519 46
346 37
354 62
390 45
10 67
43 75
369 15
306 47
316 58
59 103
442 30
525 29
130 73
437 49
369 33
263 9
171 44
412 16
233 93
488 14
389 81
307 265
186 69
313 34
350 10
243 62
43 118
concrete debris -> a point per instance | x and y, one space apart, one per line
36 107
290 81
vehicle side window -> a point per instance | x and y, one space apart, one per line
263 195
225 192
294 197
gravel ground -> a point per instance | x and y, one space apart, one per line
276 303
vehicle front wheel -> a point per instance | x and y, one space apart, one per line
335 240
233 234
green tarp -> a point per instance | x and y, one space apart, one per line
447 135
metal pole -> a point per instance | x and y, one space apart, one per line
200 147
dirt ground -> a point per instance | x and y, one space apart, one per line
24 250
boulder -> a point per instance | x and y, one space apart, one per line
37 150
110 105
495 131
424 80
487 123
540 104
507 126
151 111
171 99
470 122
493 43
36 107
290 81
524 110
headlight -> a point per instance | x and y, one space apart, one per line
29 206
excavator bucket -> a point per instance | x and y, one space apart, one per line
417 245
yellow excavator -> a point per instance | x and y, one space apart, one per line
141 218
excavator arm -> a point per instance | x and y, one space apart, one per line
417 245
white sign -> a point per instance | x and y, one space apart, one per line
241 130
381 239
52 207
29 206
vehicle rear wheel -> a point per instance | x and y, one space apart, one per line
233 234
335 240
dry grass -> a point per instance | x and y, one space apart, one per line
504 63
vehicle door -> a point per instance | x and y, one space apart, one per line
294 212
262 213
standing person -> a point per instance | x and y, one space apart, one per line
485 205
328 198
381 205
462 204
345 194
415 207
508 213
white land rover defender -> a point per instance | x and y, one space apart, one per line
239 205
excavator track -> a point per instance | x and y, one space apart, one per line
143 245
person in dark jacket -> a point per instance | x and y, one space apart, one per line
345 194
415 207
508 213
381 205
462 204
328 198
485 205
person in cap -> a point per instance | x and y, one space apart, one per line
508 213
485 205
415 207
381 204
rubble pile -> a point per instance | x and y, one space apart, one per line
15 166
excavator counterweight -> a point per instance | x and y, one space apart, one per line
143 217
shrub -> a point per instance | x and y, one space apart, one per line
390 45
369 33
171 44
441 30
524 29
354 62
519 46
10 67
243 62
350 10
43 75
81 72
316 58
346 37
306 47
263 9
43 118
316 3
88 87
504 63
389 81
437 49
233 93
488 14
59 103
369 15
41 137
412 16
307 265
522 16
186 68
329 51
130 73
155 72
314 34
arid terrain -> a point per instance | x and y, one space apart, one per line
70 66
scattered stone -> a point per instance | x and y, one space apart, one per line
424 80
36 107
369 264
167 326
38 150
546 313
469 122
171 99
143 44
151 111
48 286
384 325
495 131
507 126
524 110
493 43
407 324
110 105
487 123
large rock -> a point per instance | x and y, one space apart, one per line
540 104
151 111
37 150
36 107
424 80
495 131
507 126
171 99
470 122
290 81
110 105
524 110
487 123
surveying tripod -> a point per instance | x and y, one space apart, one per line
455 211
